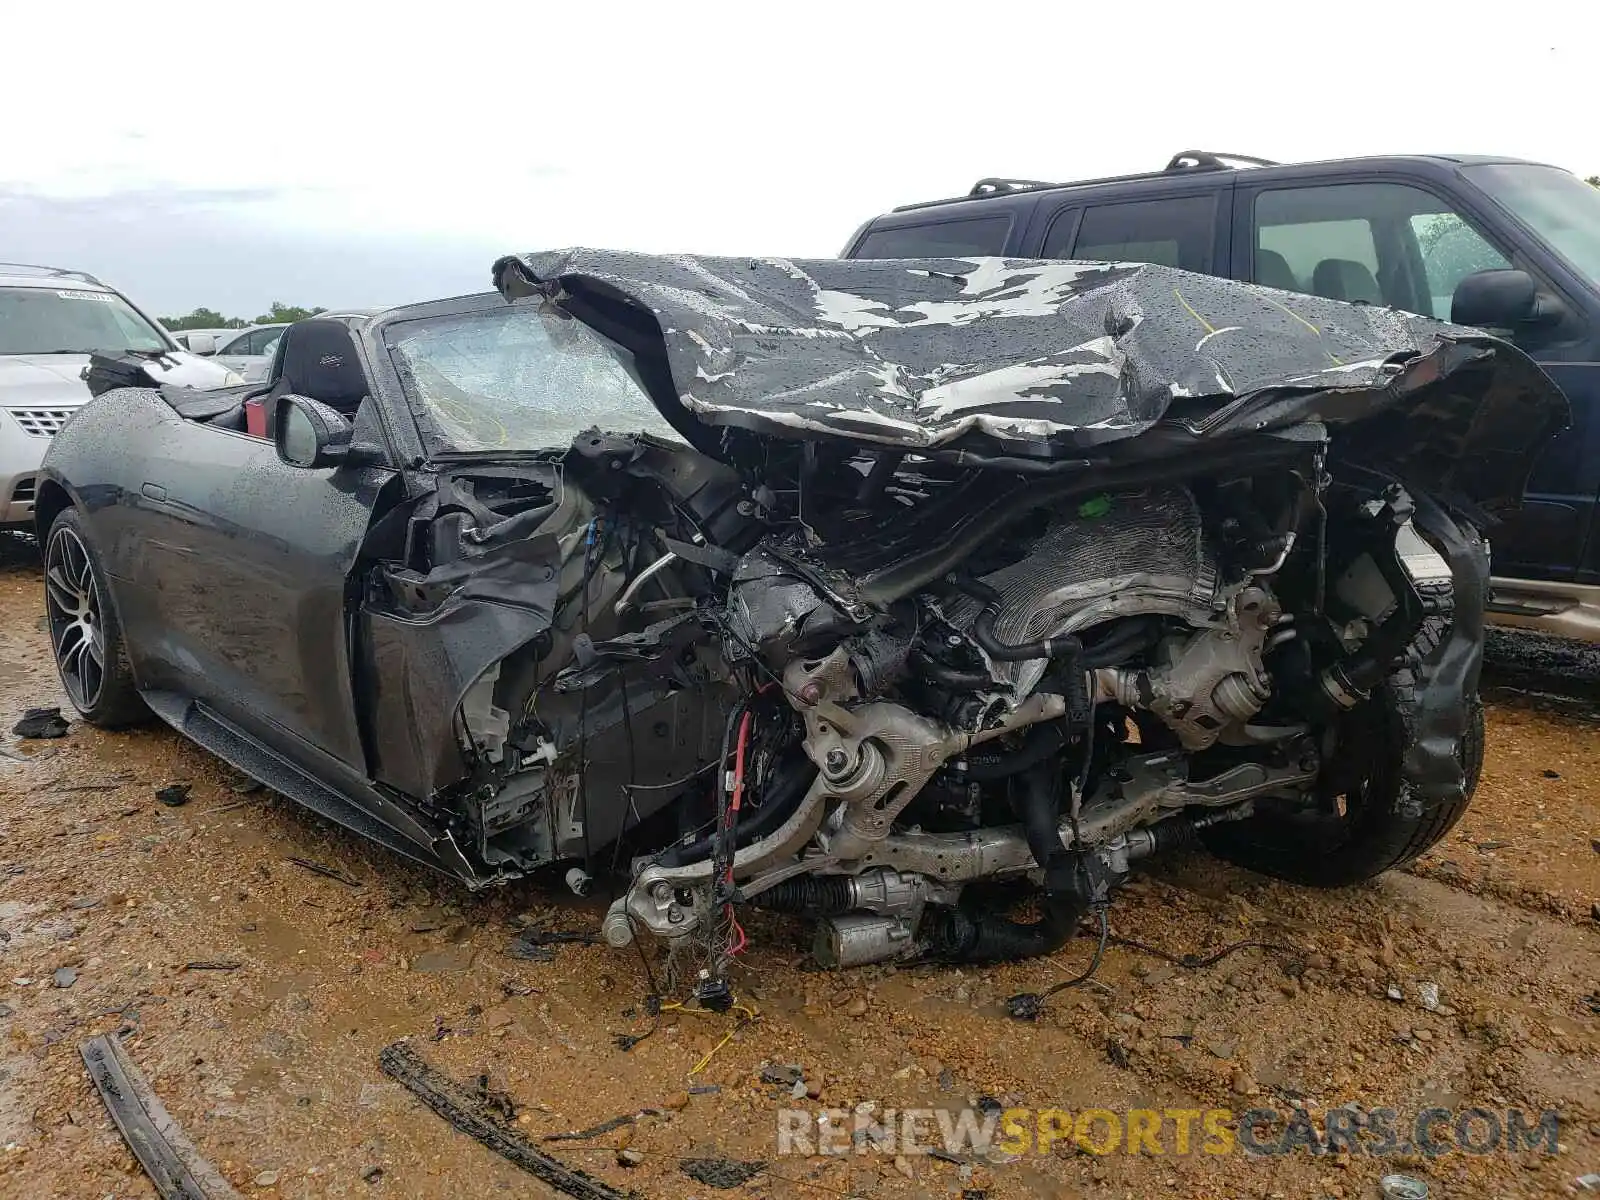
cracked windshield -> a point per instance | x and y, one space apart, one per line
518 378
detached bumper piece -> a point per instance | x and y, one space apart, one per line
165 1153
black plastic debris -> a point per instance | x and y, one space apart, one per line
317 868
157 1141
174 795
720 1173
463 1109
537 945
526 947
41 723
495 1100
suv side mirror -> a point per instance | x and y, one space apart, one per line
202 344
1500 299
309 433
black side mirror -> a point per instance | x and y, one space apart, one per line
310 433
1500 299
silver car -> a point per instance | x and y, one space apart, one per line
250 351
51 320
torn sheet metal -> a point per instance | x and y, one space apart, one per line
1045 359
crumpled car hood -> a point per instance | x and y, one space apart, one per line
1046 359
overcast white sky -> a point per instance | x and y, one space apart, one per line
364 154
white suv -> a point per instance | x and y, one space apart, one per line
50 321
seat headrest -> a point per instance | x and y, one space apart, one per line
318 359
1345 279
1273 270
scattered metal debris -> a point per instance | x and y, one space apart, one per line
720 1173
167 1155
1402 1187
174 795
1589 1183
458 1105
41 723
1428 996
317 868
213 964
534 945
595 1131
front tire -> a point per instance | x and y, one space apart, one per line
1364 823
85 637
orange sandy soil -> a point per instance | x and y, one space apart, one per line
272 1067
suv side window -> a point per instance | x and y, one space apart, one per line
1369 243
967 238
239 345
1175 231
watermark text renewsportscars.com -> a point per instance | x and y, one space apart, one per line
867 1129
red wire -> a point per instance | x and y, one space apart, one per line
733 809
738 763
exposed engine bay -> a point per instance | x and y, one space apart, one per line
854 691
868 678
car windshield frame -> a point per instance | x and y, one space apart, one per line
1560 209
68 342
452 422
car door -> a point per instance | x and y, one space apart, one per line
233 352
1185 227
1407 243
240 580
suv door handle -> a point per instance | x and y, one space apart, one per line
154 491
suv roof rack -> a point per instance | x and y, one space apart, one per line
1185 160
53 272
990 184
1208 160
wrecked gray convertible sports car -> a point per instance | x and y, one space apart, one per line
843 589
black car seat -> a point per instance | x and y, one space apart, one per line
317 358
1273 270
1345 279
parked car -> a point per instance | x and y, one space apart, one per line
203 342
51 319
250 351
1508 245
856 604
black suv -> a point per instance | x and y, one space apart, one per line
1498 243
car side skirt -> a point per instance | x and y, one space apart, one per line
355 811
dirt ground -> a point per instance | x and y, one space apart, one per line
271 1065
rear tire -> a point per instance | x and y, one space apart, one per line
85 636
1363 824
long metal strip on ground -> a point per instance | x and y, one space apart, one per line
167 1155
467 1113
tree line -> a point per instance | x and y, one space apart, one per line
208 318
